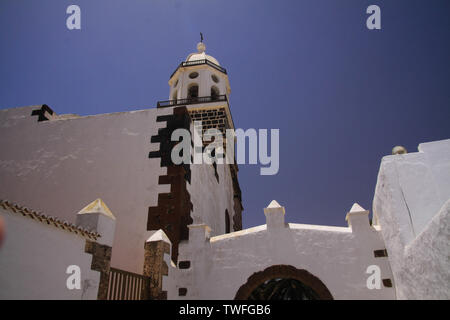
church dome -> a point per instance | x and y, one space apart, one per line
201 55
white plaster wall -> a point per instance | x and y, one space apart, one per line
337 256
411 190
34 258
427 260
60 166
211 198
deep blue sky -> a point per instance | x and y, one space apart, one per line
341 95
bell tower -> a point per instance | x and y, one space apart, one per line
199 91
201 84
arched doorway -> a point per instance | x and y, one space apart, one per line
282 282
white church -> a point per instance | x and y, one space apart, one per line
99 197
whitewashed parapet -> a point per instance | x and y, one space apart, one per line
97 216
274 216
156 264
199 233
358 218
218 267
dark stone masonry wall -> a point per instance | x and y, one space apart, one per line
173 212
101 260
155 268
211 118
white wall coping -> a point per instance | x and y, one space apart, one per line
292 226
299 226
238 233
158 235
